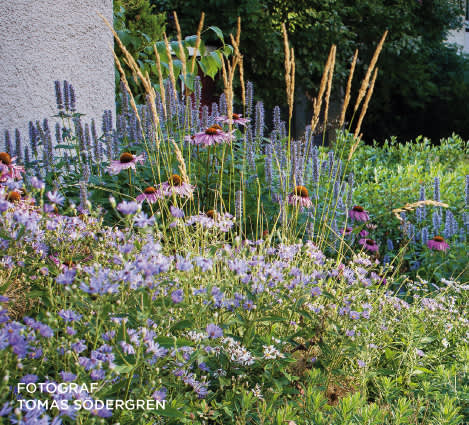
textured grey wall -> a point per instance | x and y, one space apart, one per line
46 40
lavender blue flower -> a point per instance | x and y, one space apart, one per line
55 197
177 296
128 207
214 331
160 395
69 315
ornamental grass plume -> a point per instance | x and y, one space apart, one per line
366 80
317 103
145 79
289 71
181 163
182 55
197 41
410 207
348 90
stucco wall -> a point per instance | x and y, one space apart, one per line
46 40
460 37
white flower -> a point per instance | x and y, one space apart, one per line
445 342
270 352
257 392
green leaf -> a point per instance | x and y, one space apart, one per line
182 324
272 319
124 368
170 412
218 32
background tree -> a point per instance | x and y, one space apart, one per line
421 88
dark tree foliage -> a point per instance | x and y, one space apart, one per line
421 88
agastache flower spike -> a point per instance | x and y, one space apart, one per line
58 96
18 150
436 189
8 148
249 98
424 235
467 191
33 135
259 131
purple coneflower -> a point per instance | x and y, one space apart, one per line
363 233
149 194
126 161
236 119
347 231
8 168
358 213
13 196
438 243
176 185
299 197
211 136
369 244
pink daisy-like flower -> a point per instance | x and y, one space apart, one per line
8 167
358 213
236 119
150 194
438 243
369 244
363 233
126 161
176 185
347 231
299 197
211 136
13 196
